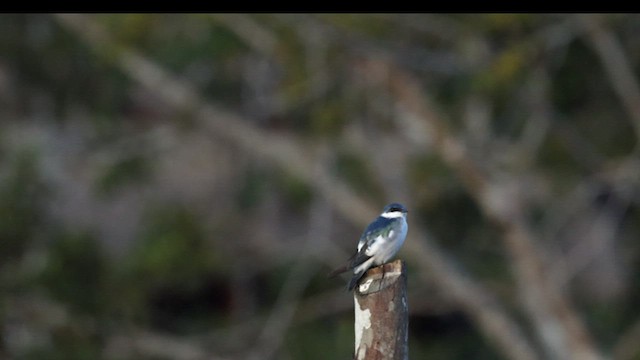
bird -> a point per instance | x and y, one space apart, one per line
379 242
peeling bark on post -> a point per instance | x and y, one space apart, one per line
382 314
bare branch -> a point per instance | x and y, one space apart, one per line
251 32
617 67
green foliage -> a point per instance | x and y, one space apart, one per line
507 68
132 169
22 194
431 179
191 38
76 273
320 340
196 46
68 344
168 280
355 171
441 204
53 64
446 336
369 25
297 193
602 123
252 188
327 119
507 27
172 249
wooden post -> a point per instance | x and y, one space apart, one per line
382 314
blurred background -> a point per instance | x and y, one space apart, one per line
179 186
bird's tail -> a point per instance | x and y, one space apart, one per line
338 271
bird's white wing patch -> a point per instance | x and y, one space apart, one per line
374 246
361 243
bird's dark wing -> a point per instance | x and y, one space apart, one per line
378 227
358 258
354 281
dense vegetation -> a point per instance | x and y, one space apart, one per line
178 186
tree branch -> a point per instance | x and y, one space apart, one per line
617 66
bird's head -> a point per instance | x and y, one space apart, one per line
394 210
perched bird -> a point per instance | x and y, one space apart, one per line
379 242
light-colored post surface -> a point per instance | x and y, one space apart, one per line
382 314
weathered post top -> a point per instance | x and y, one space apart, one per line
382 313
